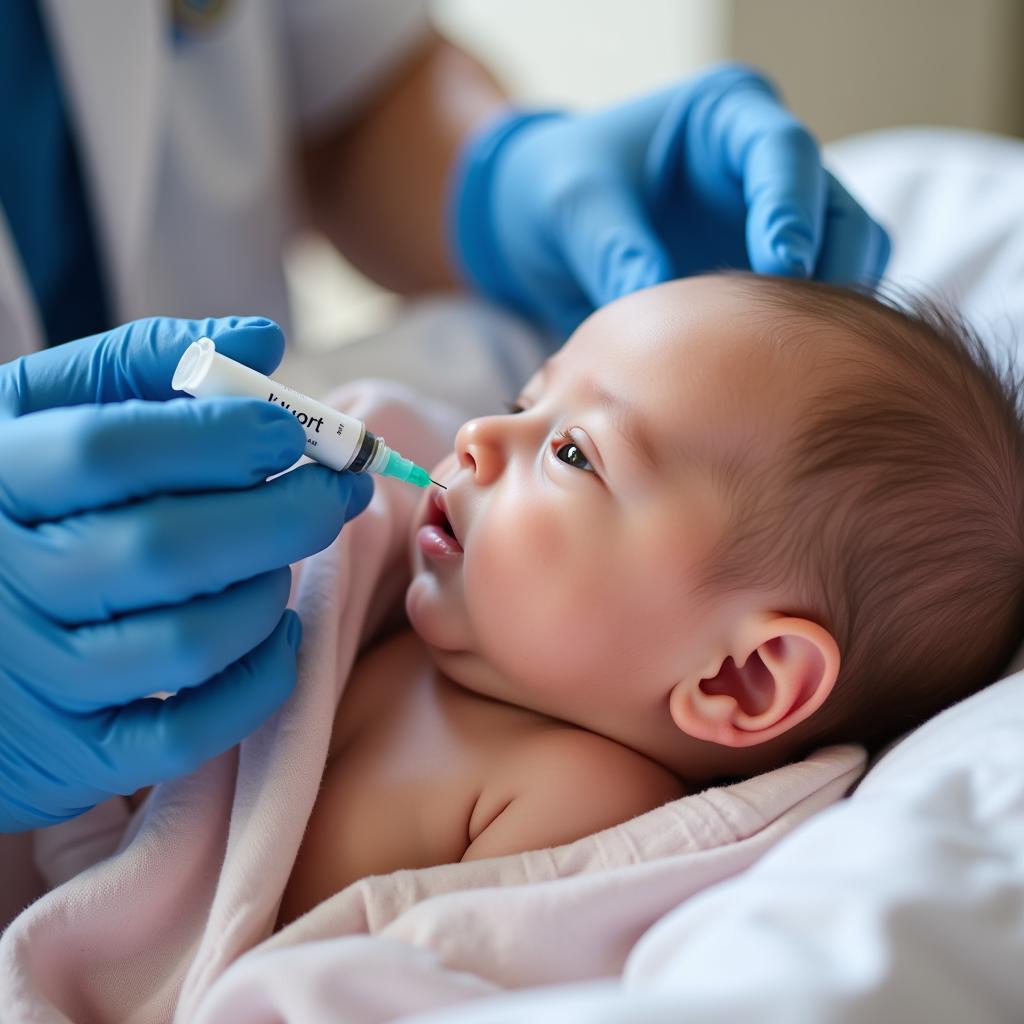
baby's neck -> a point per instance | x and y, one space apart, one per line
697 763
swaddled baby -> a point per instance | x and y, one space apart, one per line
734 518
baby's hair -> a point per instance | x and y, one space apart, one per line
899 511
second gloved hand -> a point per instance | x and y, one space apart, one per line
141 550
556 214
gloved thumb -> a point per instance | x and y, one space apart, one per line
609 244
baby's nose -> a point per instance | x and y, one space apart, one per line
480 448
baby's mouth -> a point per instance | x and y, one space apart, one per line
436 537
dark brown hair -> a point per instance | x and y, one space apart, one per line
900 511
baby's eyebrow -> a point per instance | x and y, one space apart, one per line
628 421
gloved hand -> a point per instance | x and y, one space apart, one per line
141 550
556 215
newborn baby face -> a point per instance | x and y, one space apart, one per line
558 570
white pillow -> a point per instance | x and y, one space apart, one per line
953 202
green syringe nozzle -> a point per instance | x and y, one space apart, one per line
404 469
419 477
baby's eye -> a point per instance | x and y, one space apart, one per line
571 454
514 407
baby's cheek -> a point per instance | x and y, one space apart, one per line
507 569
539 599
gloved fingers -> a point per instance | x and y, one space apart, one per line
151 740
737 128
136 360
172 548
112 663
608 241
856 249
785 189
62 461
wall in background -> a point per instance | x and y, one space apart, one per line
845 66
848 67
586 53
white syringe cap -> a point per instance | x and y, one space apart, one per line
193 366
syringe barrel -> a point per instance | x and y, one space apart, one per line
332 437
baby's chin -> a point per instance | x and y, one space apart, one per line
451 656
427 608
448 639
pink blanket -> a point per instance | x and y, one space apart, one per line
167 916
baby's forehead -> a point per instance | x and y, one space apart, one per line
732 334
702 321
702 337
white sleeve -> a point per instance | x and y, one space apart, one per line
904 902
338 51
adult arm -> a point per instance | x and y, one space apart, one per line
378 186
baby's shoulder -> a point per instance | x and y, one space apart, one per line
560 784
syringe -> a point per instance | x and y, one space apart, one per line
332 438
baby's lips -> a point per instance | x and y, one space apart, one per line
440 513
437 543
442 516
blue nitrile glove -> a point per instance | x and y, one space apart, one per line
141 550
556 215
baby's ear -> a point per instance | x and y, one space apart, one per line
780 671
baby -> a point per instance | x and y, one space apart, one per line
733 519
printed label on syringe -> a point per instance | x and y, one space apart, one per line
305 419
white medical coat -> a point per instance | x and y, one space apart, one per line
186 145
